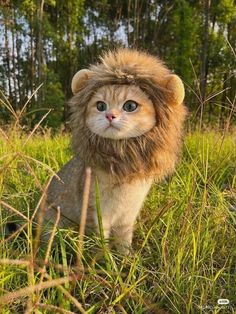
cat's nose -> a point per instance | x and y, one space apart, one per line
110 116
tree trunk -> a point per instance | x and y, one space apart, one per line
16 95
8 58
19 67
39 50
223 102
32 55
205 46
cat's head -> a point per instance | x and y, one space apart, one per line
127 114
125 93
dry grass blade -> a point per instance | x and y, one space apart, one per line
232 49
14 234
232 112
14 210
8 105
32 172
4 135
40 163
49 247
29 99
30 273
14 262
53 308
38 264
41 204
12 296
72 299
36 127
213 95
43 269
83 215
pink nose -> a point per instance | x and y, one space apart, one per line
110 117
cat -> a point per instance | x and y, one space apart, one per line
127 115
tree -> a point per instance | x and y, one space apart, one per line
47 41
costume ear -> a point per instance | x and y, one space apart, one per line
79 80
175 89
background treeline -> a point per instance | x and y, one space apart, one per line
47 41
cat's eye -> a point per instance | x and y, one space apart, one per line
130 106
101 106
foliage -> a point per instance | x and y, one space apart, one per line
49 40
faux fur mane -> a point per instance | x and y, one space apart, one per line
152 154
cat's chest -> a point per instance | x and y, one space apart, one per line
121 201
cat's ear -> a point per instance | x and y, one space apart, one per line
80 79
175 89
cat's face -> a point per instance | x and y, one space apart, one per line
120 112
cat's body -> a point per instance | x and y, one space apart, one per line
127 116
120 203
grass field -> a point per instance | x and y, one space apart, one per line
184 249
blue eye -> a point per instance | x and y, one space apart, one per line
130 106
101 106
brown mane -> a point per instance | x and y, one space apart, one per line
152 154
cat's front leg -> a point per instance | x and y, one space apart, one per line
122 237
106 230
106 227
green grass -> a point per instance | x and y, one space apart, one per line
184 248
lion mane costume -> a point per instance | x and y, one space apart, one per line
150 156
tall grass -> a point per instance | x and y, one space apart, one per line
183 257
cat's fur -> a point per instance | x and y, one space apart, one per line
125 167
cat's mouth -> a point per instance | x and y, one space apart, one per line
111 126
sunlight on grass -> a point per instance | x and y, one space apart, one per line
183 258
184 245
